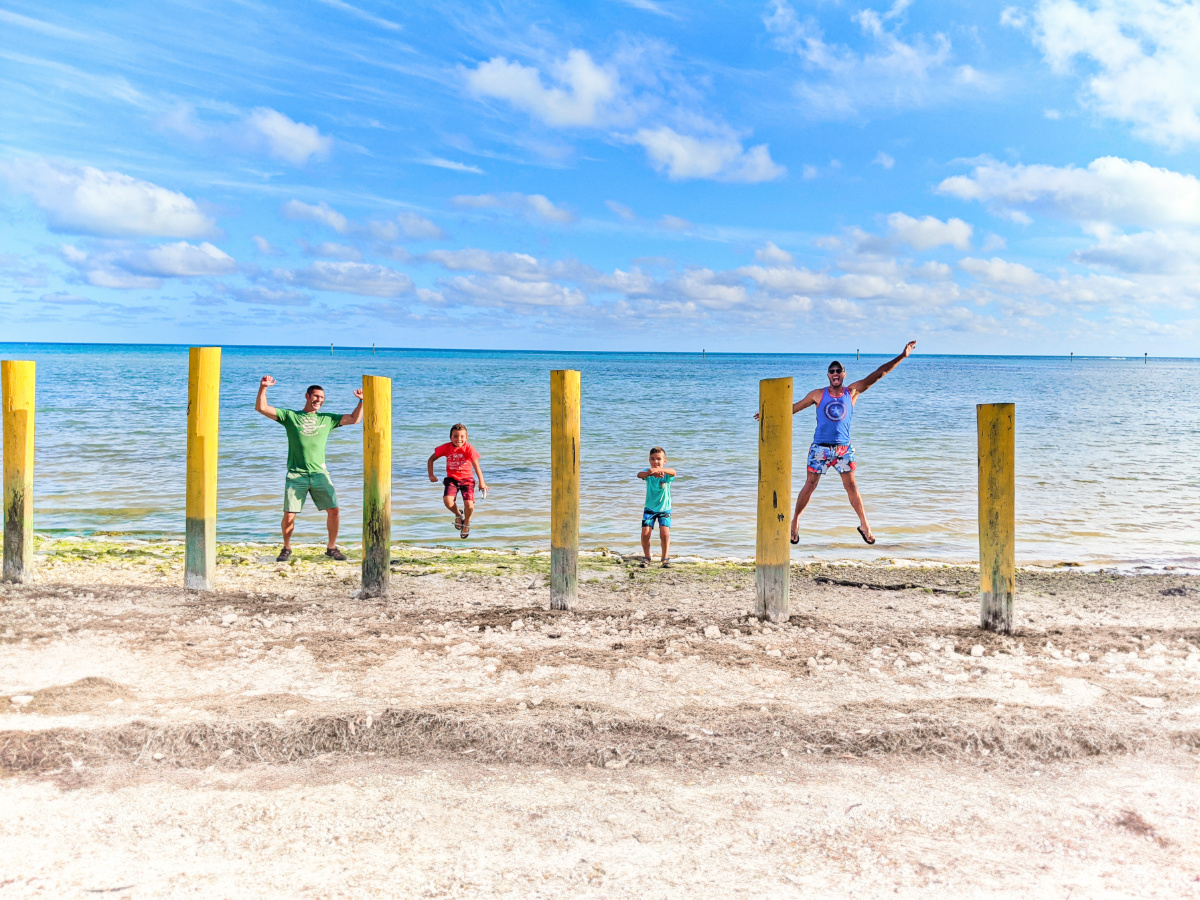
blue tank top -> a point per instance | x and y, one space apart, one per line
833 419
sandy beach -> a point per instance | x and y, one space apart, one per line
460 739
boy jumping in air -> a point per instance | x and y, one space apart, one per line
658 505
462 465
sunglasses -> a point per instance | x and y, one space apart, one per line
835 371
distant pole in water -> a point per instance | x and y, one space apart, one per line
331 349
377 486
1147 355
18 382
772 556
564 481
200 526
858 354
1072 356
995 424
372 349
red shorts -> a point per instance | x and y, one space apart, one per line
454 487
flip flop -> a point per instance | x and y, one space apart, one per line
870 540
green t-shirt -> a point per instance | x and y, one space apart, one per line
658 492
307 434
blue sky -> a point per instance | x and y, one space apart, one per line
641 175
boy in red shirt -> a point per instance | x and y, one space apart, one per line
462 464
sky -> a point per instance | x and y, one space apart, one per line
642 175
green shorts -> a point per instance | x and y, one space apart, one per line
300 484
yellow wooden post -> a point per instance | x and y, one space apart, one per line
377 486
773 548
564 478
204 398
997 514
18 379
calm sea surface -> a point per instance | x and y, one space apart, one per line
1108 450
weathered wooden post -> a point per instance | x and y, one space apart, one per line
18 380
564 478
997 515
377 486
772 551
204 399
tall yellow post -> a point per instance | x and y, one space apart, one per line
204 398
377 485
772 550
997 514
564 478
17 384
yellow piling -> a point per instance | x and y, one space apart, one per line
204 399
772 551
997 514
18 379
564 478
377 485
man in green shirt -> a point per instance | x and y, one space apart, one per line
307 432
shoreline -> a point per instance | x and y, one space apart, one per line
43 544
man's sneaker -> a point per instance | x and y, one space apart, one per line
335 553
284 555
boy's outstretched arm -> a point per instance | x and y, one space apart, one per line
429 465
859 386
644 474
659 472
478 474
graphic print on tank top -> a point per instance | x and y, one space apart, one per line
833 419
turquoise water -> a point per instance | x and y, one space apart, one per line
1108 450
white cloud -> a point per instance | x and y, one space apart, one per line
1109 190
321 213
999 271
83 200
675 223
330 250
406 224
520 266
265 247
722 158
772 255
1149 252
362 14
1139 57
578 96
884 159
179 260
438 163
293 142
621 211
348 278
264 296
532 206
893 73
810 172
506 291
927 232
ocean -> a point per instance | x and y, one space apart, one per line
1108 450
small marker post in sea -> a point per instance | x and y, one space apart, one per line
857 354
200 524
996 426
564 487
377 486
18 382
1147 355
772 555
331 349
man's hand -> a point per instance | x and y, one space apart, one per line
267 381
359 394
909 348
260 402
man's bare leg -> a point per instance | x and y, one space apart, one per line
332 519
288 525
806 492
856 501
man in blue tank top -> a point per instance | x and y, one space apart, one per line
831 447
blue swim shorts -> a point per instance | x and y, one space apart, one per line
649 516
823 457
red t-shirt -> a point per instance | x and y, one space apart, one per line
458 460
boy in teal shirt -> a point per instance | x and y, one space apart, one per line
658 505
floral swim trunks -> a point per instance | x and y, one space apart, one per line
823 457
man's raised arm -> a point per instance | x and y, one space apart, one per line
353 418
260 402
859 386
812 398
